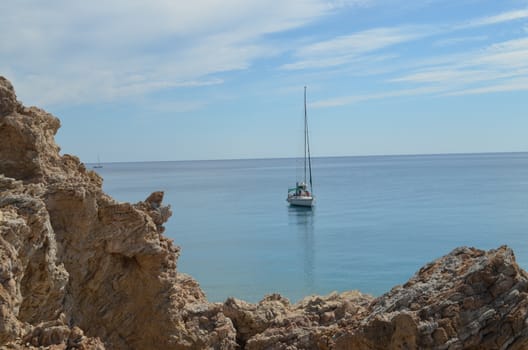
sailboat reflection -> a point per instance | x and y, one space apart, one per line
303 219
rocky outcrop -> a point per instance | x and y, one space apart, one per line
469 299
76 264
274 323
8 101
33 280
79 270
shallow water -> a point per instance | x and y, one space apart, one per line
377 220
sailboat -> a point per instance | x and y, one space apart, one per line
98 165
300 195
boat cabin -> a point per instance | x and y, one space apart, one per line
300 190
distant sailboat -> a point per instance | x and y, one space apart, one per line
299 195
98 165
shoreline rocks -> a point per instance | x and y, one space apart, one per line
79 270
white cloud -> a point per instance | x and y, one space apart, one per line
460 40
179 106
519 84
496 19
509 54
345 49
347 100
497 61
443 74
360 42
498 67
349 49
71 51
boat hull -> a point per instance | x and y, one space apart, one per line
301 201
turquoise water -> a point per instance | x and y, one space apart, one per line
377 220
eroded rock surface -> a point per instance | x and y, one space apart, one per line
468 299
75 264
79 270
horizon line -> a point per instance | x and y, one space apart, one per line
317 157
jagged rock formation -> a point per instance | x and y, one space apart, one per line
469 299
79 270
274 323
76 264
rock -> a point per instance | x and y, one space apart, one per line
431 311
33 280
76 264
158 213
442 317
274 323
27 148
79 270
8 100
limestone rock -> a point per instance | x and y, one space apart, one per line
274 323
467 299
158 213
75 261
8 100
55 335
33 279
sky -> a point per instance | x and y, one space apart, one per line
138 80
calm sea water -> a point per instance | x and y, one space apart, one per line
376 222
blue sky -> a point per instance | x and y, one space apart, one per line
172 80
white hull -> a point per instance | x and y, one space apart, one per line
303 201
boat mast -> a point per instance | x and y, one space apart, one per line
305 134
307 142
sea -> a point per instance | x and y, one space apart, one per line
376 221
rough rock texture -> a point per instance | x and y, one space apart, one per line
76 264
79 270
469 299
274 323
